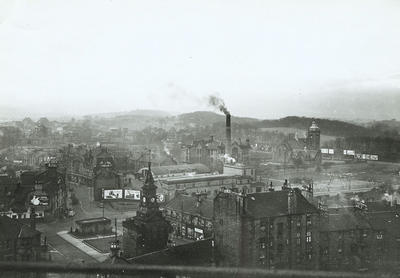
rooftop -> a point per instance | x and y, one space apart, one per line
275 203
179 168
197 177
93 220
191 205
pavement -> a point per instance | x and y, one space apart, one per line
78 243
61 250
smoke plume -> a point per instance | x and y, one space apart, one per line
218 103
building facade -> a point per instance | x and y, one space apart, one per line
20 242
190 216
276 229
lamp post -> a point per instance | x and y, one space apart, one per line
102 207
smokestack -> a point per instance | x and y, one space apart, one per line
228 146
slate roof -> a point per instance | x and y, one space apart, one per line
190 205
180 168
344 219
275 203
388 221
195 253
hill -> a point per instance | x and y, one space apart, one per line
204 118
138 112
328 127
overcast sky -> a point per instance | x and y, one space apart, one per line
266 59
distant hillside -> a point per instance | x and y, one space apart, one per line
328 127
146 113
209 118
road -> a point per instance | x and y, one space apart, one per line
61 250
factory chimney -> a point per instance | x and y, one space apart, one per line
219 103
228 146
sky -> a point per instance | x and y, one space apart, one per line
266 59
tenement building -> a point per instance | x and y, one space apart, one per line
190 216
275 229
20 242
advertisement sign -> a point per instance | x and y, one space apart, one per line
160 198
132 194
349 152
331 151
374 157
42 200
112 194
197 230
324 150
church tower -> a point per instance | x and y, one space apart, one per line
148 231
313 137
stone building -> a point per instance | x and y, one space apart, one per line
20 242
206 151
190 216
344 240
299 151
105 175
51 190
209 184
94 226
148 231
360 237
275 229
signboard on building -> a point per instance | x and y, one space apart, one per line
132 194
349 152
160 198
365 156
40 200
327 151
374 157
112 194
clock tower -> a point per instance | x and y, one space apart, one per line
148 231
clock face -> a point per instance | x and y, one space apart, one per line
152 200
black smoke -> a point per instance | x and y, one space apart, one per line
218 103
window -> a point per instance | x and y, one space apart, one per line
308 237
262 243
308 219
280 229
280 248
